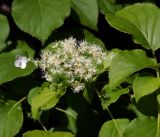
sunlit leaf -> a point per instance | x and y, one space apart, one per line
40 133
43 98
145 85
113 128
43 101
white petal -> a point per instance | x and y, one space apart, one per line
21 62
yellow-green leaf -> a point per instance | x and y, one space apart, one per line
113 128
145 85
40 133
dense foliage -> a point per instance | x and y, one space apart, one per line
79 68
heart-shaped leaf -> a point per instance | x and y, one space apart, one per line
43 98
46 99
40 17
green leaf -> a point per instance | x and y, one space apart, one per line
33 92
142 127
11 118
72 119
113 128
158 99
142 21
145 85
109 96
24 46
126 63
46 99
88 92
40 17
109 58
87 11
4 27
106 6
43 98
40 133
8 71
91 38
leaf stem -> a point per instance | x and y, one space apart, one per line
61 110
136 111
110 114
44 128
17 103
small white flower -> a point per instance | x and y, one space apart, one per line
77 88
21 62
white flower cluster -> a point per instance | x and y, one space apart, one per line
75 61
